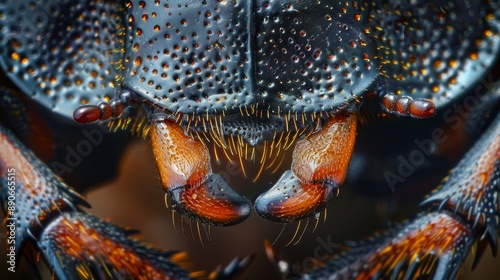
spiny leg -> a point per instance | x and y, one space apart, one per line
186 174
319 166
431 244
42 208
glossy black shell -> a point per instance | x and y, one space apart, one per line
205 57
213 56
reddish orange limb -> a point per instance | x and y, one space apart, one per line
325 155
182 161
319 166
80 246
186 174
74 244
40 194
472 190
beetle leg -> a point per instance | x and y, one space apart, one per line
40 207
102 111
186 174
472 189
319 166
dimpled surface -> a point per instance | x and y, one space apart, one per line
434 49
210 56
311 55
213 56
190 56
61 53
305 56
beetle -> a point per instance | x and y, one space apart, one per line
239 74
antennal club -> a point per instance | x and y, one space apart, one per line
103 111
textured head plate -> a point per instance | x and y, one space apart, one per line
213 56
61 53
190 56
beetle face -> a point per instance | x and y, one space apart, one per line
237 74
256 72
